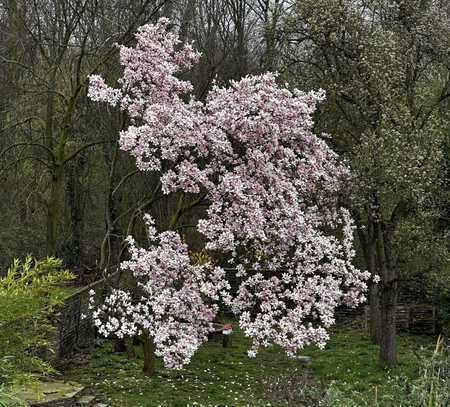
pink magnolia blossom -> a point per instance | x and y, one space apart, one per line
271 184
177 300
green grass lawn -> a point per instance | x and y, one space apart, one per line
221 376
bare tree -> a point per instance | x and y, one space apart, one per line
385 67
62 43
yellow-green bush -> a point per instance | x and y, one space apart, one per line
29 293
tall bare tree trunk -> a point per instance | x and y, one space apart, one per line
368 244
54 209
271 15
388 297
73 248
374 314
374 297
107 251
388 345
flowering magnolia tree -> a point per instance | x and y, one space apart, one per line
249 152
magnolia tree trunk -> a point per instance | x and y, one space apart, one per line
149 355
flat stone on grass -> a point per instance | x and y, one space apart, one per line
51 393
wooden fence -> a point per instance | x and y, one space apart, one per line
75 328
413 318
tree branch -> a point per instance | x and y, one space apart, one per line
78 151
27 144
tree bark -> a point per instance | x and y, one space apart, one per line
374 297
368 244
73 250
54 209
149 355
108 248
374 314
388 297
388 345
271 15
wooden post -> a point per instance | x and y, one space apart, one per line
227 330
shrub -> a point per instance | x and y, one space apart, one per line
29 293
9 400
430 389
